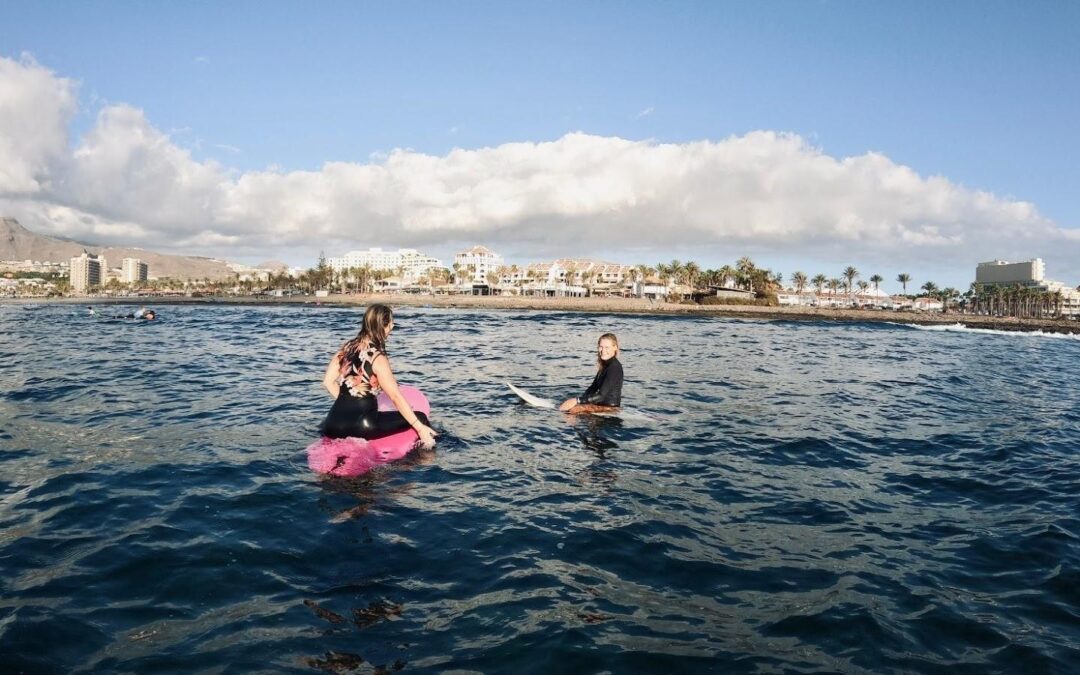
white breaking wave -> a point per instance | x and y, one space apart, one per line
961 328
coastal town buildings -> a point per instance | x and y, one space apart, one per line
870 297
133 270
475 263
248 273
36 267
570 276
409 262
87 270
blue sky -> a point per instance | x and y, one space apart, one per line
984 94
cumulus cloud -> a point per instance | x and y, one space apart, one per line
35 110
127 182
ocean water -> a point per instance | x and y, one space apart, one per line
808 497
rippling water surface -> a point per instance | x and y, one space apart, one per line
814 497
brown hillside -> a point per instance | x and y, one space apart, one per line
19 243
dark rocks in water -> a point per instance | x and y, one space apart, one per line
323 613
337 662
375 612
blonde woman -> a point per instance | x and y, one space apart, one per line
605 392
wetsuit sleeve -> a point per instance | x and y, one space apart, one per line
606 388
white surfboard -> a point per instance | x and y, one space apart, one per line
622 413
535 401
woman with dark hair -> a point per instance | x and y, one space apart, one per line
354 377
605 392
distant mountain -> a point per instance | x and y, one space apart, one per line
19 243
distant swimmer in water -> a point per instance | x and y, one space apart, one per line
90 310
605 392
354 377
143 313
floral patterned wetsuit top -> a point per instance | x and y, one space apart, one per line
357 375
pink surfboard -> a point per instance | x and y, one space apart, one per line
356 456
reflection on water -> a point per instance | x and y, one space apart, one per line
780 497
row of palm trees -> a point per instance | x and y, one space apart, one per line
1016 300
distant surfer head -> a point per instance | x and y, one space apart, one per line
607 348
149 315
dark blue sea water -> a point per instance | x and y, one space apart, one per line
815 498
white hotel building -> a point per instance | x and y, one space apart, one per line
479 260
87 270
133 270
411 262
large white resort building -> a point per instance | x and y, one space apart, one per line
133 270
409 262
1028 274
476 262
87 270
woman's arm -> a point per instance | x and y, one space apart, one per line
381 368
333 370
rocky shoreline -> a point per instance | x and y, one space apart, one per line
607 306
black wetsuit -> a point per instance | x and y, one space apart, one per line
606 387
356 412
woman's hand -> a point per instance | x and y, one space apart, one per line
427 435
567 404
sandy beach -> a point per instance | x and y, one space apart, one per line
606 306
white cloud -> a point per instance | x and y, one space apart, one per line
645 113
35 109
579 194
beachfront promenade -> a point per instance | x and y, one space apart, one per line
606 305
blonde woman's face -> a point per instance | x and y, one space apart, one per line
606 348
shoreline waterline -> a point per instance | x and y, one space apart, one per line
600 305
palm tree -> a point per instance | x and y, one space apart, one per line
819 281
664 272
849 274
677 270
798 279
692 273
834 286
876 280
726 274
745 271
903 278
947 296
